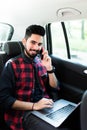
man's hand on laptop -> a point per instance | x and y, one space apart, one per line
43 103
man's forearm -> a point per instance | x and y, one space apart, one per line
53 80
21 105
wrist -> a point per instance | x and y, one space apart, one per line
49 68
52 70
33 106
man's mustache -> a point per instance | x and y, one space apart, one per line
37 51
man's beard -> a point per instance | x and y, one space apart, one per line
33 55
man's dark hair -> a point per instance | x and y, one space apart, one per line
34 29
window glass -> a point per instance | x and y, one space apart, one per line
58 41
6 32
77 36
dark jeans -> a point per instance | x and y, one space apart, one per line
34 123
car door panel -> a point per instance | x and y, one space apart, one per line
72 79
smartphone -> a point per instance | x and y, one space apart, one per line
41 56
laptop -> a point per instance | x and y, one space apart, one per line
56 116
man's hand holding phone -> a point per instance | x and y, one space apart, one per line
45 59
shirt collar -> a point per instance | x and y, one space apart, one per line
29 60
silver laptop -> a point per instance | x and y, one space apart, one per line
58 114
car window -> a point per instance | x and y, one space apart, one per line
58 41
77 37
6 32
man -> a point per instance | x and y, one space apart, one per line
25 79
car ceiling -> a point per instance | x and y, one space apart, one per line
22 13
40 11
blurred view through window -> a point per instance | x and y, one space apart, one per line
77 38
6 32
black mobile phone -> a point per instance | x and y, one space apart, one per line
41 56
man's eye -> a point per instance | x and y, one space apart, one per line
33 42
39 44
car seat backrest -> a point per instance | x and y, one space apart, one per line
10 49
1 64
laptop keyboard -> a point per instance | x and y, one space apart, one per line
61 113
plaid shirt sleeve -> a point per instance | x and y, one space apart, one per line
7 86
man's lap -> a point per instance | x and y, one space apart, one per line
34 123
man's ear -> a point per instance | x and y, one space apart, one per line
24 41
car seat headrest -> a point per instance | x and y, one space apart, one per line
12 48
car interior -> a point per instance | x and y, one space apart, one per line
65 22
83 113
10 52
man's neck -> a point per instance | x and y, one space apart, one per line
26 53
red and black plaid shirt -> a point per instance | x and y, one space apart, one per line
23 69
